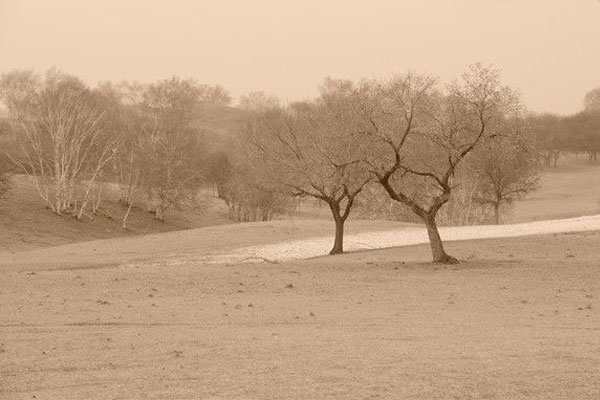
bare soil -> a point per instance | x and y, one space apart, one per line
518 319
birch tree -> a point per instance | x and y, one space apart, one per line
64 139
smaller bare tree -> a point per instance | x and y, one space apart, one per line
305 151
591 101
505 171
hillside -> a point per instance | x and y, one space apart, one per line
26 223
217 123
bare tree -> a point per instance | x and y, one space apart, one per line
591 101
64 139
214 94
171 145
551 140
419 135
5 167
219 171
505 171
248 199
304 151
258 101
582 133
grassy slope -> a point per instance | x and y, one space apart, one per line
519 319
571 190
25 222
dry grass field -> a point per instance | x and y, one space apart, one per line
571 190
518 319
26 223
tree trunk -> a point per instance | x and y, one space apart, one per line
159 215
338 244
435 241
127 215
497 213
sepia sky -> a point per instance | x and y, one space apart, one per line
549 50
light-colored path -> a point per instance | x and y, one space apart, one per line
274 241
406 236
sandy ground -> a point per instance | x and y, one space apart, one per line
518 319
274 241
194 244
405 236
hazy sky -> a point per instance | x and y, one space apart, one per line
548 49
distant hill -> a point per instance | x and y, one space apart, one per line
218 123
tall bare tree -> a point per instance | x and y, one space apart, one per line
303 150
420 133
171 144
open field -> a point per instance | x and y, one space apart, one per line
518 319
571 190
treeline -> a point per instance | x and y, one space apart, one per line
578 133
73 140
407 147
